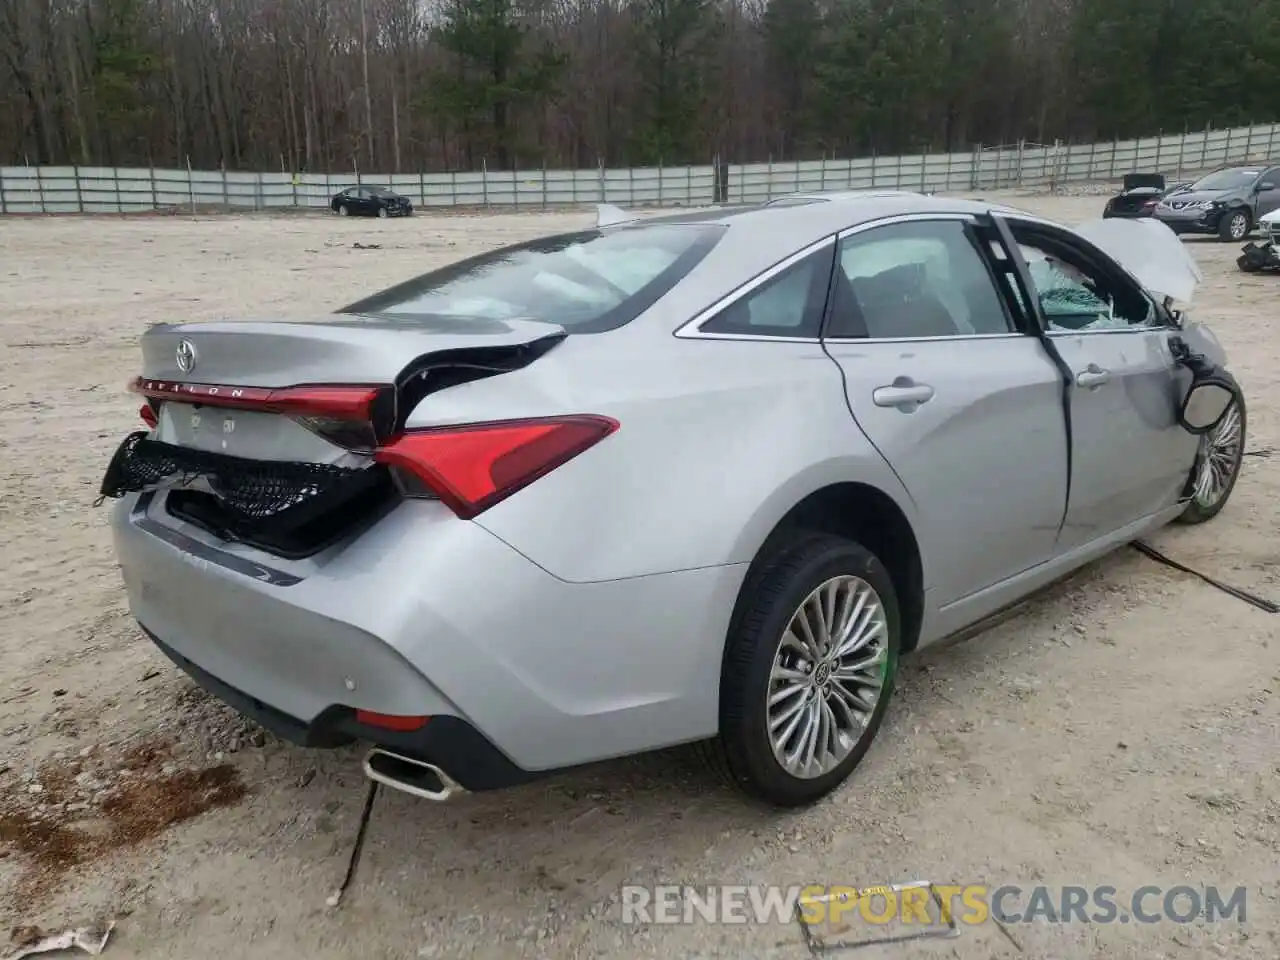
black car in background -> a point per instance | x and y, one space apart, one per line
1138 195
366 201
1226 203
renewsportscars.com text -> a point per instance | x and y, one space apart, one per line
930 904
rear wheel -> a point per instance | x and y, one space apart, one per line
1234 225
808 671
1217 467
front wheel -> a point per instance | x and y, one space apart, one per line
382 213
1234 225
342 210
808 671
1217 466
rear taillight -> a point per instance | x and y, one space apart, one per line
148 416
473 466
356 417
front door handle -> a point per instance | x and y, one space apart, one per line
904 393
1092 377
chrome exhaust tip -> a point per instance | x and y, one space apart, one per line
417 778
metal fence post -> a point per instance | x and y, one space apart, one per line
544 184
40 188
152 170
484 181
600 177
1271 141
1248 144
4 204
75 168
660 179
191 188
515 188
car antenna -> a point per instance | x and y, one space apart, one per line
607 215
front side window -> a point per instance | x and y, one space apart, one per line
922 278
1073 297
586 282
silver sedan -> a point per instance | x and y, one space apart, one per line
704 477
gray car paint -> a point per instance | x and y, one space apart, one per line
1180 207
585 617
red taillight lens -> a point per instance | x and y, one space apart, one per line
472 467
148 416
340 403
350 416
388 721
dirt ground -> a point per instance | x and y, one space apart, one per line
1125 730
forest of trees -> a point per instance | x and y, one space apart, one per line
408 85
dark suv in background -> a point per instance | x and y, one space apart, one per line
1227 202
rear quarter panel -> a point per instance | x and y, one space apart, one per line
718 440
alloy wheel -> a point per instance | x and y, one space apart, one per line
827 676
1239 226
1220 457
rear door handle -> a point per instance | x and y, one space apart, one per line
1092 377
904 393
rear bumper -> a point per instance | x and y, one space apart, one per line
427 615
448 742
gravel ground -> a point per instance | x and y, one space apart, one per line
1124 730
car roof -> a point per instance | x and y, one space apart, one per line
759 236
825 196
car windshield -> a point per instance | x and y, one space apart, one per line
585 282
1226 180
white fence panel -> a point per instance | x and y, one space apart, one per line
35 190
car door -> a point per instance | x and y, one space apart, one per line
1130 458
1268 196
966 408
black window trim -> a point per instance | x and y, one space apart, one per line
1097 259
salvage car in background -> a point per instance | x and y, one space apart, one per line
703 477
1138 195
1255 257
1226 203
369 201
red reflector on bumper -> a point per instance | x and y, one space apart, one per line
387 721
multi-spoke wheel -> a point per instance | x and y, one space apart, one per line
1217 466
808 670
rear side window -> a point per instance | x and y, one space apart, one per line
788 304
587 282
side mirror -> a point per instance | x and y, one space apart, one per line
1207 402
1265 185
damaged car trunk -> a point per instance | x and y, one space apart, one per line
273 434
1138 195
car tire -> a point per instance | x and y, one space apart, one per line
837 711
382 213
1200 507
1234 225
343 211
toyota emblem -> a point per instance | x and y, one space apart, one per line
186 356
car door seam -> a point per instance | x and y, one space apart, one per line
1034 314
